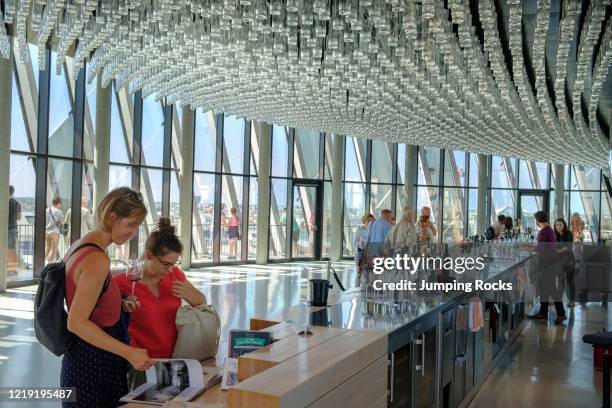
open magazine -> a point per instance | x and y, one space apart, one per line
174 380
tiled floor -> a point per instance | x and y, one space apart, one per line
547 366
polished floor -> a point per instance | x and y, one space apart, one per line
547 366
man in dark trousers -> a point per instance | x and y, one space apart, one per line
14 216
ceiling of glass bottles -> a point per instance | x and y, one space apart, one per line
530 79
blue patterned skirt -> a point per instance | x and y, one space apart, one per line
100 377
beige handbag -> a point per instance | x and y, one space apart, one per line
198 331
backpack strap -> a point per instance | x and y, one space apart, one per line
83 245
78 260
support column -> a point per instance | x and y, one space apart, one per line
483 184
263 194
186 184
102 147
6 67
411 176
559 190
337 199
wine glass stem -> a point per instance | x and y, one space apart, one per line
133 284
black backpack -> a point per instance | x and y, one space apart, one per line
50 316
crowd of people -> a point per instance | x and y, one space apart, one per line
375 234
556 268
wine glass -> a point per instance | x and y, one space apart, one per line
134 272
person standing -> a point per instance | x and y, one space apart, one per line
87 222
577 227
432 233
566 239
233 233
359 243
548 269
13 232
54 219
376 233
96 362
404 232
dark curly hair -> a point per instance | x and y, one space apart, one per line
163 239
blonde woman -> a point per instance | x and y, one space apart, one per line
577 227
96 363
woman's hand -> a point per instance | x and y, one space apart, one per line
185 290
139 359
180 290
129 304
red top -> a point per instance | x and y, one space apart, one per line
107 311
152 326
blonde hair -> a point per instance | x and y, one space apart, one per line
366 218
123 202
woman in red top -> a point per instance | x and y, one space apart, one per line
159 293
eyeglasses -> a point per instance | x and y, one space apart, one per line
168 265
136 195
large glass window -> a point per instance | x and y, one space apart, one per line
280 151
382 162
355 159
429 166
252 221
279 219
203 217
205 141
585 178
455 174
89 121
20 247
533 175
122 119
152 132
503 172
401 164
329 155
306 156
354 209
61 117
24 109
233 144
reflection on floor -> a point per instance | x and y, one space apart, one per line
238 293
547 366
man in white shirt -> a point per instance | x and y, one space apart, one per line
403 233
87 221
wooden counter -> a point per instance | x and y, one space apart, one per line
298 370
321 375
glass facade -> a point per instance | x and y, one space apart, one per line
145 140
